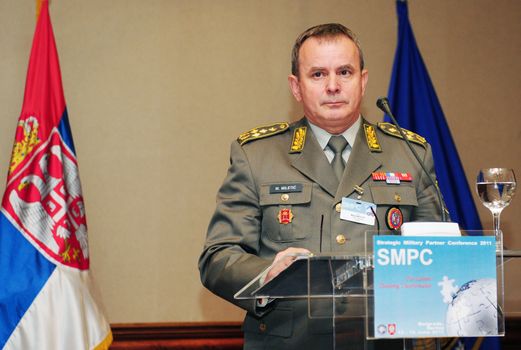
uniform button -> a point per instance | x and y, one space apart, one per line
284 197
338 207
340 239
262 327
397 197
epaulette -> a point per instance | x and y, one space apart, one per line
391 129
262 132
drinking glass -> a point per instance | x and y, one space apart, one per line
496 187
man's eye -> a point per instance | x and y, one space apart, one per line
344 72
317 74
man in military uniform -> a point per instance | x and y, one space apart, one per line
285 185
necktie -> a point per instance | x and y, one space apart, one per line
337 145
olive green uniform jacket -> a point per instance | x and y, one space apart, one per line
245 232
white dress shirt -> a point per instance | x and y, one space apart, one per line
323 137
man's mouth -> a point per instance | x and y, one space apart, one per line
334 103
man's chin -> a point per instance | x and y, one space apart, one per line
334 123
338 119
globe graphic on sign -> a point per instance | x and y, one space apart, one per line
473 310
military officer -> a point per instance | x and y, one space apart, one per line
285 185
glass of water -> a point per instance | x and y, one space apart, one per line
496 187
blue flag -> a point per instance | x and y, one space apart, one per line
416 107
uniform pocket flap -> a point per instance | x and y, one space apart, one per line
394 194
285 194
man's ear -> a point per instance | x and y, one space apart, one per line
294 86
365 78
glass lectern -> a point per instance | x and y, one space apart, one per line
341 289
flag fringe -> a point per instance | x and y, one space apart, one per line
477 344
105 344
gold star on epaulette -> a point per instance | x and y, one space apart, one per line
372 140
391 129
262 132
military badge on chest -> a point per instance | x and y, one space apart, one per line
394 218
285 216
392 177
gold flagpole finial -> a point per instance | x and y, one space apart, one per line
39 7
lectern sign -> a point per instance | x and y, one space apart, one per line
435 286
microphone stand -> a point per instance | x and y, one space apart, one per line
383 104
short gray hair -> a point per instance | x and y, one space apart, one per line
329 30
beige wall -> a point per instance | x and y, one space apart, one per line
157 90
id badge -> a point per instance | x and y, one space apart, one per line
357 211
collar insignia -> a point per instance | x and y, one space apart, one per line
299 139
372 140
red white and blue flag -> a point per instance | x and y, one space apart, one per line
47 296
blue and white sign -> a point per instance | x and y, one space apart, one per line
358 211
435 286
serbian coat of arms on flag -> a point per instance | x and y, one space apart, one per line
43 194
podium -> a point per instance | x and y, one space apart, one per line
341 290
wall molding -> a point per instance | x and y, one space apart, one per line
167 336
222 335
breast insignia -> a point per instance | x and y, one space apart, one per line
372 140
262 132
299 139
391 129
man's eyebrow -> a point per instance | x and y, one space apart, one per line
346 66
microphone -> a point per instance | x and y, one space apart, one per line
383 104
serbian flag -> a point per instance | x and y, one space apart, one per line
47 297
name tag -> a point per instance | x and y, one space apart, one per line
286 188
357 211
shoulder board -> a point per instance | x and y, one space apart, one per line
392 130
262 132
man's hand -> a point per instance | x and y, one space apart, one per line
282 260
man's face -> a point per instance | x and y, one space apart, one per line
330 84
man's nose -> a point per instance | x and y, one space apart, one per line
333 85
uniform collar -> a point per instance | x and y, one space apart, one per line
323 136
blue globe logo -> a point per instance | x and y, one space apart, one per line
473 310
